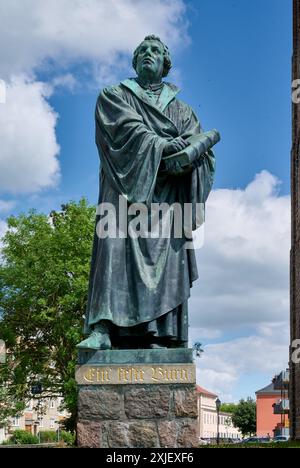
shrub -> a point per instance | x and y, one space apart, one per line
48 436
68 438
21 437
6 442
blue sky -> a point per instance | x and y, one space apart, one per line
236 75
232 60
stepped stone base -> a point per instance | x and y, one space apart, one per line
134 404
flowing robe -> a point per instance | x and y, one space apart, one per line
142 285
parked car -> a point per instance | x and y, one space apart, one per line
237 441
251 440
256 440
281 438
203 441
265 440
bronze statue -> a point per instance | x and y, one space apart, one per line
139 287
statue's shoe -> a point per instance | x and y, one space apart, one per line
157 346
96 340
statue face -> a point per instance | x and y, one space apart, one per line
150 59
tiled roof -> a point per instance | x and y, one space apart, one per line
205 392
269 389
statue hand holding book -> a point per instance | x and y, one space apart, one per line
191 153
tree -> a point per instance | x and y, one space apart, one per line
244 416
228 407
197 348
43 292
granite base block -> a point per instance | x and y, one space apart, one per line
135 413
125 416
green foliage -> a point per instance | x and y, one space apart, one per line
244 417
43 292
198 350
9 404
6 442
48 436
21 437
68 438
228 407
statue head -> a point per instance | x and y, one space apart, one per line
152 58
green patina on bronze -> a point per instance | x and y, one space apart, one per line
136 356
139 287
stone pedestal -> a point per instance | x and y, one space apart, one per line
137 399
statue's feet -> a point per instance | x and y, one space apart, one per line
96 340
157 346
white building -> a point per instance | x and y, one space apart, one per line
208 418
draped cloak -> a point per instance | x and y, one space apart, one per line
144 282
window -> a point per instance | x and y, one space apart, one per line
52 421
52 404
16 422
41 422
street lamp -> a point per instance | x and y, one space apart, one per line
218 405
58 430
40 419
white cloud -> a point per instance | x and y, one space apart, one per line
28 158
67 81
224 365
3 228
6 205
243 286
220 382
70 31
59 37
244 263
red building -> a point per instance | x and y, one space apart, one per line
266 420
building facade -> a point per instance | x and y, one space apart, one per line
208 418
40 415
295 249
268 422
282 405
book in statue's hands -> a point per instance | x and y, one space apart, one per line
198 146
